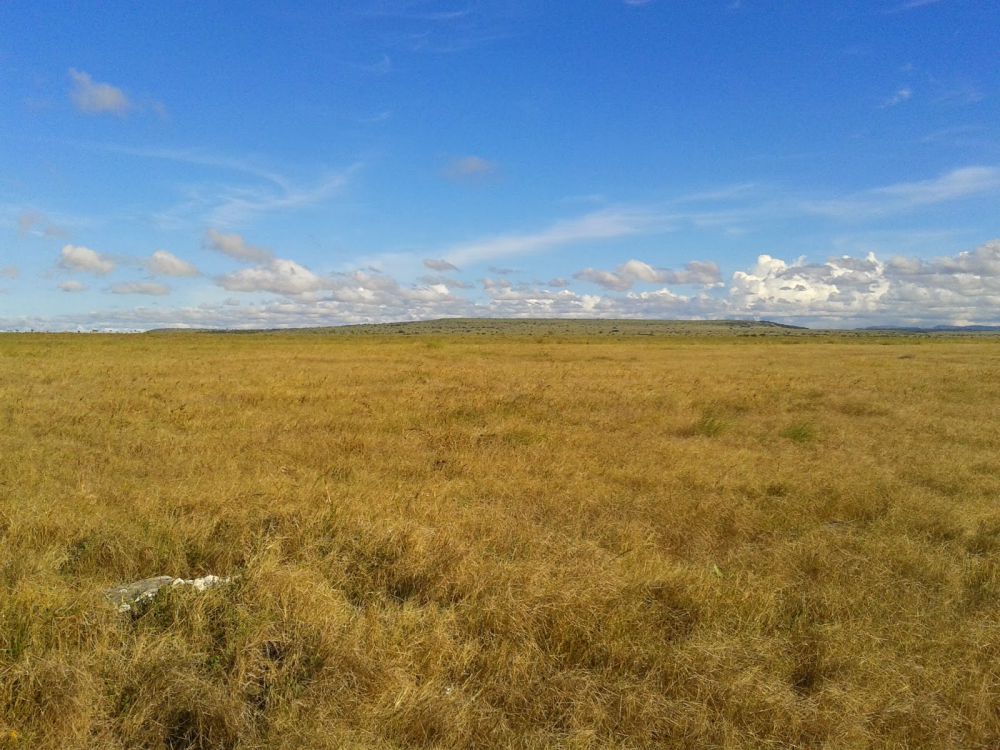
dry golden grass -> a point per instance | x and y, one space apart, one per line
464 542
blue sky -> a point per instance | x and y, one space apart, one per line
827 163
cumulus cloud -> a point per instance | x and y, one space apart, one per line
951 289
636 271
608 279
377 293
470 168
448 282
73 286
163 263
9 272
983 262
840 287
279 276
93 97
79 258
841 291
439 265
235 247
140 287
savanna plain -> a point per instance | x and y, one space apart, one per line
529 535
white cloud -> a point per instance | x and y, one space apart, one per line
200 158
842 291
235 247
36 223
967 182
163 263
600 225
79 258
232 205
439 265
9 272
970 274
608 279
140 287
840 287
278 276
73 286
848 290
470 168
902 95
959 183
636 271
449 282
911 4
93 97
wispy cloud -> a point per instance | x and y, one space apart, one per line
376 119
729 209
600 225
38 224
722 194
232 205
94 98
9 272
911 5
417 10
967 182
382 66
438 26
237 205
471 169
956 93
902 95
958 135
201 158
72 286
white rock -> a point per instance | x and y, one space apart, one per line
128 595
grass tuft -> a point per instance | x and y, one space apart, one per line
800 432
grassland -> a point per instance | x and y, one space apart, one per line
548 538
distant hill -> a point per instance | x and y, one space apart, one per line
530 327
934 329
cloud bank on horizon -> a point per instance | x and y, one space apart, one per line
404 160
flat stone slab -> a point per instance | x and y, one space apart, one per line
128 595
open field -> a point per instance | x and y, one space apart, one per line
740 538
